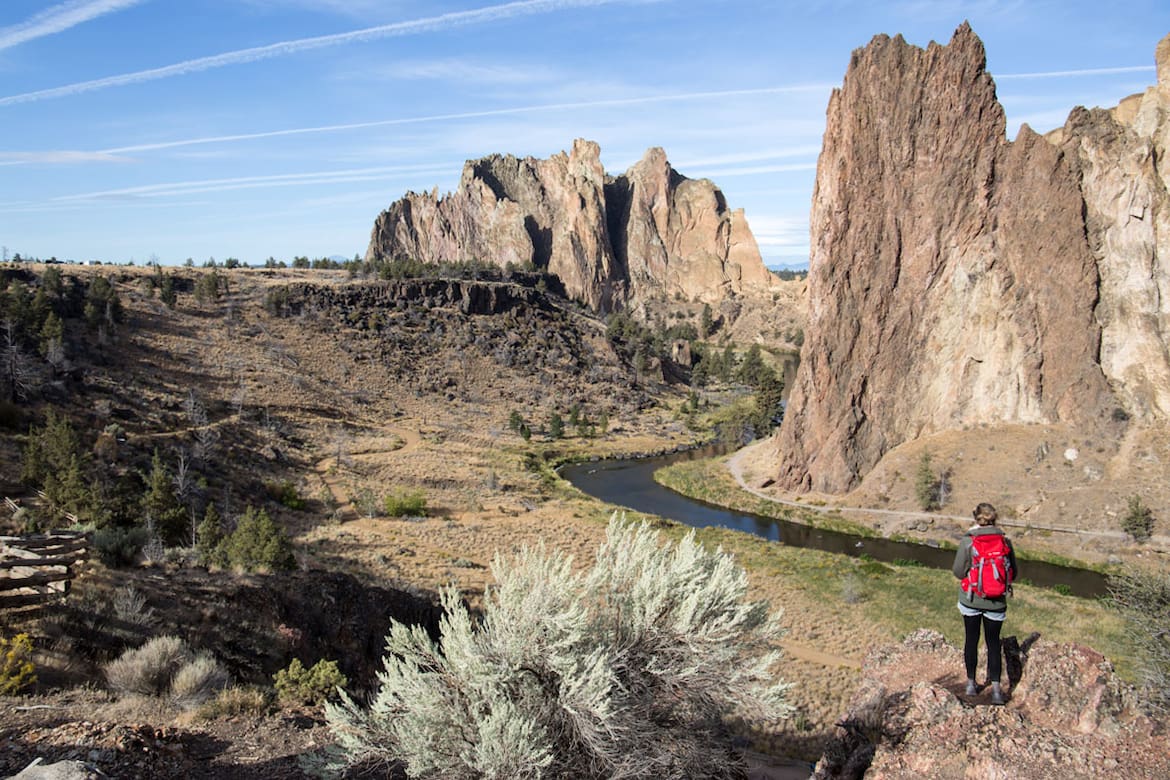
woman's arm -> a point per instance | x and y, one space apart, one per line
962 563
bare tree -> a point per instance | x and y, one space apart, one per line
205 435
20 373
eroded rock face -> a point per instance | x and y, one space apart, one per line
615 242
1067 716
960 279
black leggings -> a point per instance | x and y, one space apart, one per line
971 646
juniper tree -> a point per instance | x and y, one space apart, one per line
631 669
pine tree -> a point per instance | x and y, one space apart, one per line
160 503
209 537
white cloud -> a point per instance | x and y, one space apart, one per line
59 18
775 232
283 48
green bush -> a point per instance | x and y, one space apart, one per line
1138 521
258 544
285 493
315 685
926 484
406 503
119 547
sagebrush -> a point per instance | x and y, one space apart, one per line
630 669
166 666
1143 600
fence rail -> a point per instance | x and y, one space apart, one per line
39 567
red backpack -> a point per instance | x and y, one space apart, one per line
991 572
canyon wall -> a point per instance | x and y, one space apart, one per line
959 279
615 242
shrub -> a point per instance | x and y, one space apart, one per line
197 681
258 544
1143 600
237 700
16 669
622 670
118 547
165 666
285 493
148 670
130 606
298 685
926 484
1138 521
406 503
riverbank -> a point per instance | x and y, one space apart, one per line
1052 612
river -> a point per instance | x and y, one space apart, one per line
630 483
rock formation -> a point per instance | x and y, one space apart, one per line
958 279
615 242
1068 715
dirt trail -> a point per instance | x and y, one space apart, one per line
813 655
405 440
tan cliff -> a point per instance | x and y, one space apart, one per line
958 279
615 242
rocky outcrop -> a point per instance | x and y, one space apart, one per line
1067 715
959 279
614 242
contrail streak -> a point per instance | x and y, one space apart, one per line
1056 74
58 19
397 29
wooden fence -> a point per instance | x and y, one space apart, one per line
39 567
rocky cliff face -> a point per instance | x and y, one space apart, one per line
959 279
615 242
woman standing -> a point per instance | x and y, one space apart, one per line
985 564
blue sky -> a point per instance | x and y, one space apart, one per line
168 129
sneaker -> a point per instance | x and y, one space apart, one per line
972 688
997 695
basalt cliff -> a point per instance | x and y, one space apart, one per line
959 279
615 242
